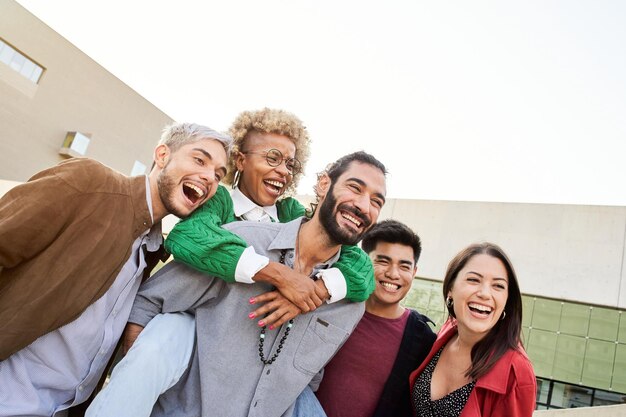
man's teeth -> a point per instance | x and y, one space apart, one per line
480 308
277 184
352 219
196 189
389 285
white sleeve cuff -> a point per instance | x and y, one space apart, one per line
335 284
249 264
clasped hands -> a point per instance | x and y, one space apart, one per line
295 293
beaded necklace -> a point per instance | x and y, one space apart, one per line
283 338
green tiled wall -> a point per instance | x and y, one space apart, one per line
568 358
570 342
604 324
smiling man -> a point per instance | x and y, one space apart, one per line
75 242
369 376
238 368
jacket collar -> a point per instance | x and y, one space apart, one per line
497 378
138 194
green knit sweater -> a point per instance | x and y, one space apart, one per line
200 242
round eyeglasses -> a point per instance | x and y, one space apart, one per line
274 158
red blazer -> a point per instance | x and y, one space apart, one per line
508 389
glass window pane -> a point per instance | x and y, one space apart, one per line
603 324
17 62
608 398
598 365
619 369
546 314
575 319
569 357
543 388
36 74
139 168
7 54
527 310
27 69
541 347
569 396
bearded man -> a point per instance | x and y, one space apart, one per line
239 368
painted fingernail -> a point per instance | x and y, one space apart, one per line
272 327
252 300
261 323
252 315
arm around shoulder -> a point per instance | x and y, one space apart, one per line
200 242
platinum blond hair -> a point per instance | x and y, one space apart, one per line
180 134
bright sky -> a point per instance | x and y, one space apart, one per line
514 101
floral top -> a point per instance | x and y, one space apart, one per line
449 406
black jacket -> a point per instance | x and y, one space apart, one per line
417 340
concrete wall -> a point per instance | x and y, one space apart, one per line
74 94
565 252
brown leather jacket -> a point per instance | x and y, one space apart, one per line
64 236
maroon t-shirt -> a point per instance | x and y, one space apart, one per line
354 379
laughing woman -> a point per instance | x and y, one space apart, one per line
477 366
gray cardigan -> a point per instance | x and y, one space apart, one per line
226 376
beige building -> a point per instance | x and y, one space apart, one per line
49 88
570 259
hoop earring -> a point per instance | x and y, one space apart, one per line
503 315
450 306
236 179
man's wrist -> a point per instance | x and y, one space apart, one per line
271 274
321 284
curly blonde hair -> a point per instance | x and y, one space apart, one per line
269 121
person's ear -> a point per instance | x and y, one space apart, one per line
161 155
240 161
323 185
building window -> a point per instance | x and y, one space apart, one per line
138 169
19 62
75 144
555 395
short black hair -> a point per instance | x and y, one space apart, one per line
341 165
335 169
392 231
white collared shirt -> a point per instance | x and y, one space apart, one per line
250 262
242 205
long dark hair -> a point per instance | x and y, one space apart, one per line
506 333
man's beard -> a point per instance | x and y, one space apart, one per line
167 188
328 219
